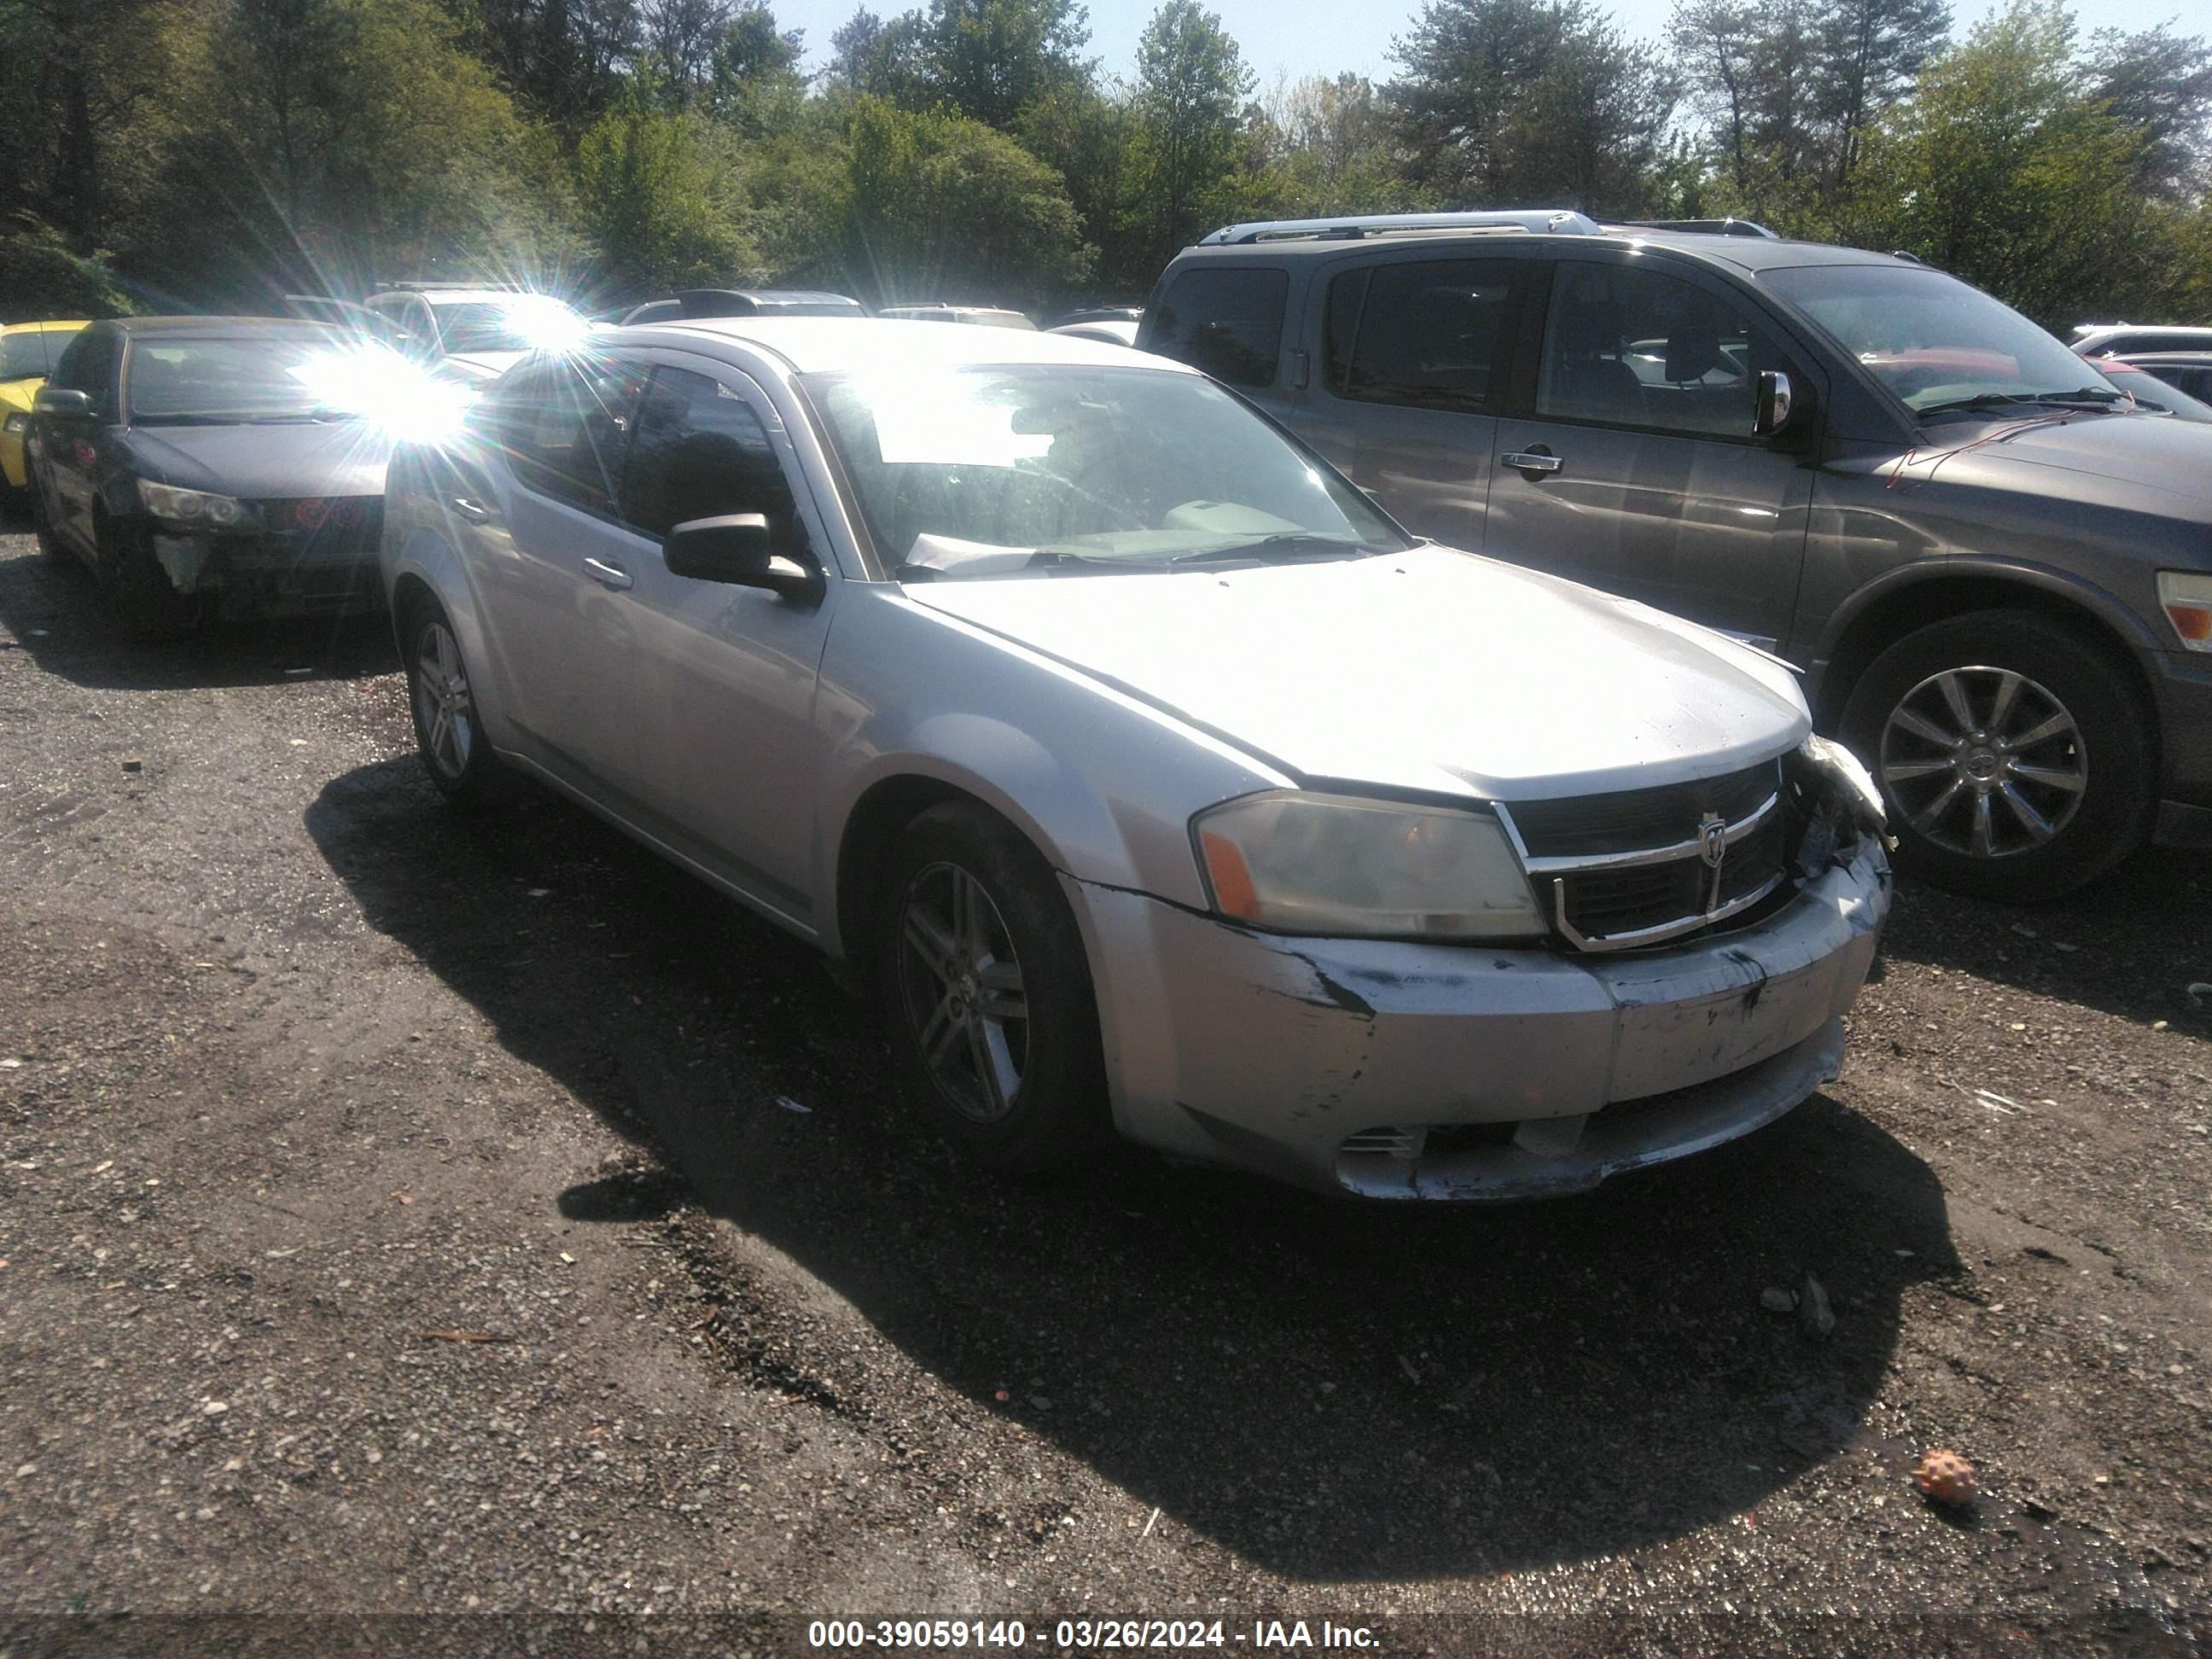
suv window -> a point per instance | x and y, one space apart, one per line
700 453
563 426
1227 321
1431 334
1634 347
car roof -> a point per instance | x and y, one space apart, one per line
1749 253
439 296
837 345
46 327
2169 359
220 325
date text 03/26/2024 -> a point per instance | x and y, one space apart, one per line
1088 1635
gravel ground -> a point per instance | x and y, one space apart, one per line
441 1227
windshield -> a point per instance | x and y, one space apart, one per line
523 324
1935 343
989 470
30 355
246 379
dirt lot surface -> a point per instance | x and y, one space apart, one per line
402 1215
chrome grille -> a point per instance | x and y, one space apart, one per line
1639 868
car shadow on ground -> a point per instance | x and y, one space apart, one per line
66 621
1333 1391
2130 943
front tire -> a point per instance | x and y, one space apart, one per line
448 734
987 994
153 610
2015 757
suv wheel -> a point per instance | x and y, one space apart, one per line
987 993
2017 762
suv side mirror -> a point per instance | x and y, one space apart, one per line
63 404
1770 414
736 549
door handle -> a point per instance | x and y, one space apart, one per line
474 512
607 575
1531 460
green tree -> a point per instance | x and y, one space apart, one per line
931 205
661 191
2008 170
991 59
2159 84
355 139
1328 146
1530 103
1191 87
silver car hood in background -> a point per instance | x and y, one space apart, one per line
1424 671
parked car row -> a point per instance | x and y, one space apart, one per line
1137 729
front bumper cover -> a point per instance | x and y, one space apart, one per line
1359 1066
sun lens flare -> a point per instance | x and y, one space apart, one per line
398 397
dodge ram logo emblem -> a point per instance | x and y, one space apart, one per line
1712 840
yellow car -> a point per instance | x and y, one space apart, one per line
28 352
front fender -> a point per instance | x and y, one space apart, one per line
1103 785
419 547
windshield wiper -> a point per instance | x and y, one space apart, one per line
1286 544
2087 398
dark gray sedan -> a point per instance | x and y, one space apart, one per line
205 466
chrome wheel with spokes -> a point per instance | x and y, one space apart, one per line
987 993
2016 751
449 728
961 985
1984 762
445 716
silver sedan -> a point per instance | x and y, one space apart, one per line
1148 776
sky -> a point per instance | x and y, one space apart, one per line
1328 37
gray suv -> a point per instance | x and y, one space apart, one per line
1994 570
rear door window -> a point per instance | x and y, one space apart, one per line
701 452
1224 320
564 428
1432 335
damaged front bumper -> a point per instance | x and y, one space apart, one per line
1400 1070
274 575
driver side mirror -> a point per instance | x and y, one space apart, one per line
736 549
1776 404
63 404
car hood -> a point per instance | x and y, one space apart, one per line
1432 671
2145 457
16 396
276 462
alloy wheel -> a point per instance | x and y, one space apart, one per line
442 705
1984 762
961 987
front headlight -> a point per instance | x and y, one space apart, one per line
15 423
1338 864
2185 596
195 507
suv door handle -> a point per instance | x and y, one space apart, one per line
474 512
1531 460
607 575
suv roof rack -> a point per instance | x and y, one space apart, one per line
1730 227
1540 222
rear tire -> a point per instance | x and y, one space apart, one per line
2015 755
449 735
987 994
